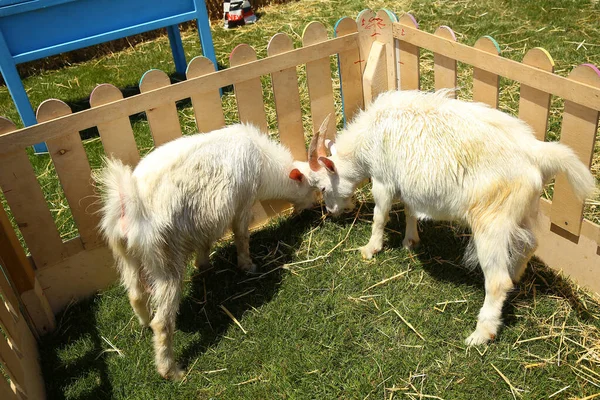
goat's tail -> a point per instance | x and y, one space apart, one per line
555 157
121 206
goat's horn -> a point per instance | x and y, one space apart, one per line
313 157
317 145
321 148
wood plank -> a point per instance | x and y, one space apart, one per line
8 322
580 261
568 89
408 54
135 104
375 78
486 84
364 24
318 77
14 261
38 307
385 35
74 173
444 68
12 363
287 100
77 277
208 109
6 391
251 109
579 127
28 205
249 94
30 362
163 119
350 72
116 134
534 105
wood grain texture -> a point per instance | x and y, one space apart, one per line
74 173
444 68
207 106
318 76
486 84
163 118
577 92
28 205
408 54
579 127
116 135
534 104
249 94
375 78
287 100
20 139
350 71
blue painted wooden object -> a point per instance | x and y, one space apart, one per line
33 29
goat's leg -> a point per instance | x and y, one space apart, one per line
492 251
524 250
138 297
411 236
166 296
383 203
241 232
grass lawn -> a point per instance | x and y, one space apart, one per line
320 322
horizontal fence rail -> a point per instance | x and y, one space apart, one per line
548 82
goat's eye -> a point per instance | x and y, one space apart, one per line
323 190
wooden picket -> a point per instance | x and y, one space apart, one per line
163 119
350 71
74 173
444 68
579 127
486 85
208 110
375 53
116 134
318 77
408 54
287 99
534 105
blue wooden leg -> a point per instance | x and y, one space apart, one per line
177 48
208 49
17 91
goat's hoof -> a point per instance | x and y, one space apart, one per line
410 244
249 268
368 252
174 374
477 338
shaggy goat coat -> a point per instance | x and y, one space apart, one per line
179 200
451 160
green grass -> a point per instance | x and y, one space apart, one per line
314 329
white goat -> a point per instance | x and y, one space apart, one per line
449 160
180 199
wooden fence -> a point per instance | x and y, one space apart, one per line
375 52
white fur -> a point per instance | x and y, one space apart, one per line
452 160
179 200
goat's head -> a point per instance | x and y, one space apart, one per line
321 172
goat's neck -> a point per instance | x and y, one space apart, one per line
275 182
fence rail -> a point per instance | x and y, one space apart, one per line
376 52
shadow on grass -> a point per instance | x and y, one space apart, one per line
76 327
223 285
441 253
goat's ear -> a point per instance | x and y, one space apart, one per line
330 144
328 164
296 175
